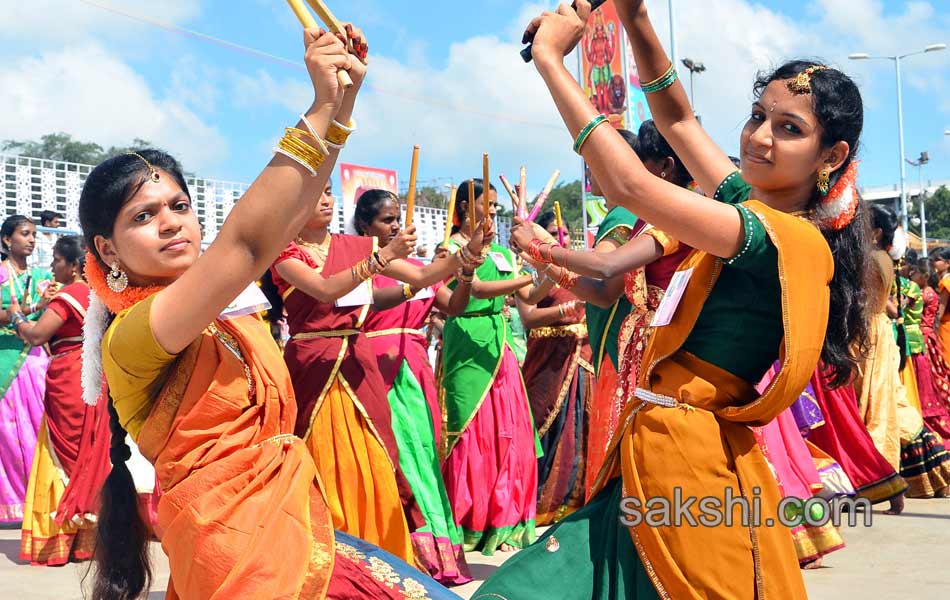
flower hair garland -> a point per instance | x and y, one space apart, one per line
836 210
103 303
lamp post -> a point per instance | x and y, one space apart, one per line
694 67
921 196
900 111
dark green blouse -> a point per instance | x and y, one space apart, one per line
740 327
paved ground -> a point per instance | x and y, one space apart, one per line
899 557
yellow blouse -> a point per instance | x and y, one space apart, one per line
134 365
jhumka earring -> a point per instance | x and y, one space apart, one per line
824 181
116 279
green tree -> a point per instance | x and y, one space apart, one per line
938 215
569 196
62 146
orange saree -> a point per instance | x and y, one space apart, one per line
688 435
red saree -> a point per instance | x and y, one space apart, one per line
343 413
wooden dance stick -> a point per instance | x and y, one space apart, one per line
515 200
471 208
411 196
523 192
306 19
539 203
449 217
560 223
486 188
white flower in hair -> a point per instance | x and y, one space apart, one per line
94 327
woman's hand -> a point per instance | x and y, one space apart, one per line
402 245
357 42
522 235
484 234
556 34
325 56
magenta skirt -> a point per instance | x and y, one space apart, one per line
21 412
491 475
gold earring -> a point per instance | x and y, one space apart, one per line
116 279
824 181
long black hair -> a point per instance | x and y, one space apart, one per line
368 206
121 557
461 195
8 228
839 109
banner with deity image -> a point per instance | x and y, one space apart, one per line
602 53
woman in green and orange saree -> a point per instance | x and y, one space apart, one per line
776 274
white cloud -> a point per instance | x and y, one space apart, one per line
61 22
88 92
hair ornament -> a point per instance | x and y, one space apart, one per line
802 83
153 174
836 210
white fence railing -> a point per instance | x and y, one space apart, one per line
30 185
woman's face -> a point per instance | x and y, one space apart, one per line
552 229
21 242
940 265
64 272
480 206
156 236
780 145
323 212
387 223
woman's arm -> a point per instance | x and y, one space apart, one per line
533 294
533 317
388 297
454 302
692 219
269 215
944 297
670 108
484 290
37 334
441 268
599 292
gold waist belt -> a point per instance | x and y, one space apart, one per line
397 331
337 333
578 330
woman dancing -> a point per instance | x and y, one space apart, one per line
50 537
22 366
204 391
757 289
394 326
490 466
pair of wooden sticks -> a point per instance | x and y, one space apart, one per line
332 24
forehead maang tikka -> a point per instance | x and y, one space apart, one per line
153 174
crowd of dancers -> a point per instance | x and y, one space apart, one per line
759 330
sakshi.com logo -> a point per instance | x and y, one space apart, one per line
736 509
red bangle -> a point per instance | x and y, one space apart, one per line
534 250
568 279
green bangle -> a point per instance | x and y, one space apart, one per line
668 79
585 133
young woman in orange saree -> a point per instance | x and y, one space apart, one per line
757 289
200 385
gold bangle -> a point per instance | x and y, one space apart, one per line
301 152
407 291
306 136
338 134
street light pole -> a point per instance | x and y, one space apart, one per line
900 134
921 196
900 113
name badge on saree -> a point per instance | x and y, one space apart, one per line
501 263
361 295
251 300
671 300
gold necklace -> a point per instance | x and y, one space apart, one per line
321 250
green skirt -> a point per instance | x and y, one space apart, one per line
587 556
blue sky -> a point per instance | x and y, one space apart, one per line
445 75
